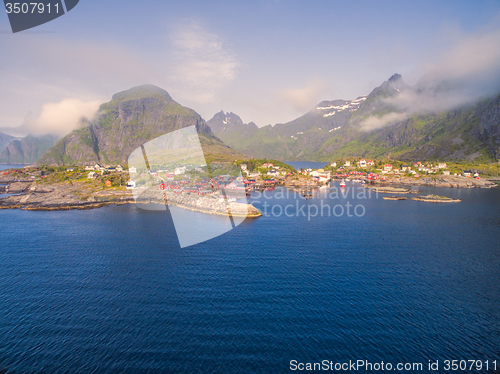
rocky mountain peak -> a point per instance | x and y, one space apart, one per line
394 78
393 86
141 92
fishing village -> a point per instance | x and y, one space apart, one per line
221 187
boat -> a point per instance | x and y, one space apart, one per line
307 194
342 183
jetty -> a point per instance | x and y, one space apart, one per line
392 190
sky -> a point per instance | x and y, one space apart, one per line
267 61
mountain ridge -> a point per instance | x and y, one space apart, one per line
27 150
130 119
337 128
5 139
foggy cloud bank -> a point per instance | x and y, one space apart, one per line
467 72
58 118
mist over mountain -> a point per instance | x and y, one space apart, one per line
394 120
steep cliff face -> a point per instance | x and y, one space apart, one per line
130 119
27 150
488 129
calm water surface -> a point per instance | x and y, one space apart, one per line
7 166
110 290
307 164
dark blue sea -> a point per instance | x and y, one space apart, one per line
110 290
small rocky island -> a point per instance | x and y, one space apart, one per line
395 198
436 199
391 190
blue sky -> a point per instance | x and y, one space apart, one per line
268 61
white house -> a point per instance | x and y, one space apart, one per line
333 164
325 176
446 172
273 172
347 163
99 167
442 165
362 163
387 167
180 171
243 167
89 167
130 185
119 168
92 175
132 169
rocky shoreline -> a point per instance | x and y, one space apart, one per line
82 195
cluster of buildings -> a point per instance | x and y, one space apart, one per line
414 168
318 175
97 168
274 170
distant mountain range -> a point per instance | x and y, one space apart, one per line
337 129
330 131
130 119
27 150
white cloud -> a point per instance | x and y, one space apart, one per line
202 64
374 122
469 69
304 98
58 118
194 66
45 69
